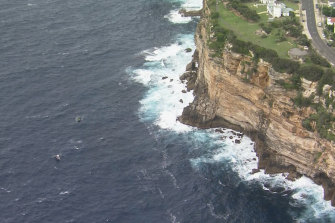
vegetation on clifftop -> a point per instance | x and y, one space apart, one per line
234 26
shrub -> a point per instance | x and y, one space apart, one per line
285 65
266 28
216 46
311 72
281 36
303 40
318 60
285 85
327 78
330 28
245 10
261 52
240 46
323 121
328 11
215 15
276 24
301 101
296 81
307 124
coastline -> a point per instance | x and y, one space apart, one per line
215 82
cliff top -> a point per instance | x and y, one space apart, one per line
234 26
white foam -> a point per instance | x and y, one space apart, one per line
163 53
64 192
162 104
175 17
243 160
311 195
4 189
143 76
161 193
76 148
240 155
173 178
173 218
41 199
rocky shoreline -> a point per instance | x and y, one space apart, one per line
185 13
259 108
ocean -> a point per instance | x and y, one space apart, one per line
97 82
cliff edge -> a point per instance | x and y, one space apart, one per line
226 95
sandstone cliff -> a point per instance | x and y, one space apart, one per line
233 92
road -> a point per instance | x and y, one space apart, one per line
318 43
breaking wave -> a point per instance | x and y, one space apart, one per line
175 17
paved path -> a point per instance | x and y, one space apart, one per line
318 43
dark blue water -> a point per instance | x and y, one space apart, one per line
66 59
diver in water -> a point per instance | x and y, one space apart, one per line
57 157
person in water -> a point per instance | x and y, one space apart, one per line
57 157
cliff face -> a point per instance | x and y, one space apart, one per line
234 92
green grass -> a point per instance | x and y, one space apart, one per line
290 4
245 31
260 8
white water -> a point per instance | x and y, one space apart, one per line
175 17
243 160
161 106
161 73
189 5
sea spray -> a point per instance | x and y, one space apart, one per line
175 17
165 99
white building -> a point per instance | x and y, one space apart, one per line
274 8
277 10
331 3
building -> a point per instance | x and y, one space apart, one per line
276 9
331 3
330 20
286 11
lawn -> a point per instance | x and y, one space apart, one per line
245 31
290 4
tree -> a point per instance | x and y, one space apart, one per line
292 15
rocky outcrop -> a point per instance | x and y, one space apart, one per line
233 91
186 13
